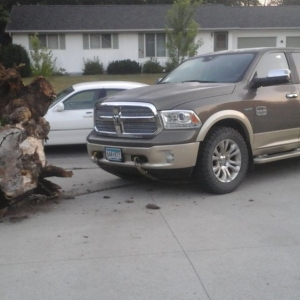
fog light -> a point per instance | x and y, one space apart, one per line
170 157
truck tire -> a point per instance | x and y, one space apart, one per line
222 161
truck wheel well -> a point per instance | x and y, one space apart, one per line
241 129
235 125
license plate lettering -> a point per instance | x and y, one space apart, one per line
113 154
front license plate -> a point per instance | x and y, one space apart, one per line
113 154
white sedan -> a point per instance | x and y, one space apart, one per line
71 114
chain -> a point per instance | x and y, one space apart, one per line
106 189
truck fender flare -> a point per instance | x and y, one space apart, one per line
223 115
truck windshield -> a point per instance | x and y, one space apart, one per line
211 68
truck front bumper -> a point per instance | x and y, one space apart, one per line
162 157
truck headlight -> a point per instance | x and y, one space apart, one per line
180 119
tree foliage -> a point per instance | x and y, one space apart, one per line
181 30
130 2
234 2
7 4
10 3
15 55
43 63
282 2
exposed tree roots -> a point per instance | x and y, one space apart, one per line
23 129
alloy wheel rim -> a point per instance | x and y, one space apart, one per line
226 161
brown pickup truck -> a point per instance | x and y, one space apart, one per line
208 120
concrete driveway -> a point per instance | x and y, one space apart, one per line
105 244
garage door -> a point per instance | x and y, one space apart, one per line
293 41
255 42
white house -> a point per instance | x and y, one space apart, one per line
75 33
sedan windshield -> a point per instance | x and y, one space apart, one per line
211 68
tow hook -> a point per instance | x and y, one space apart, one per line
141 170
94 157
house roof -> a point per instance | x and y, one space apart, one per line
110 18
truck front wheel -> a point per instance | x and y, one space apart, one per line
222 161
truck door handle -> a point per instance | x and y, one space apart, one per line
291 96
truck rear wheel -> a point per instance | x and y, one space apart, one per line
222 161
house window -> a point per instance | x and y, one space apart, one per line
106 40
43 40
95 41
152 45
100 41
160 45
221 41
51 41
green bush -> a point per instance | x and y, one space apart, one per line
59 72
14 55
125 66
170 66
152 66
92 67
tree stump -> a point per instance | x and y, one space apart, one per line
23 129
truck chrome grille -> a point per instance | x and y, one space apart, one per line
106 126
140 128
131 111
105 111
127 119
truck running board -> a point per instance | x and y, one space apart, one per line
261 159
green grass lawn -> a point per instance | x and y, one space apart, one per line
59 83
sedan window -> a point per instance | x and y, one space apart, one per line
110 92
81 100
62 95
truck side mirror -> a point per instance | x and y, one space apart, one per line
275 77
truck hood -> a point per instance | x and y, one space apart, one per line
169 95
